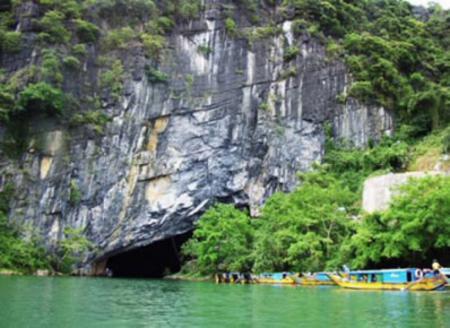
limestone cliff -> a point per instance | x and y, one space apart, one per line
233 124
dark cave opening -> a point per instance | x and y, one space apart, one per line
153 261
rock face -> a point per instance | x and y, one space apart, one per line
379 191
234 124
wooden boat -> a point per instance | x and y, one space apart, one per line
446 273
316 279
390 279
234 278
276 278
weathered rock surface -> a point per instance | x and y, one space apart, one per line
233 125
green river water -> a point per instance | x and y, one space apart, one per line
89 302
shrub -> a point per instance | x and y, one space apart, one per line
188 9
71 249
153 44
291 53
222 241
119 38
205 49
41 97
155 75
74 193
10 42
53 28
96 119
230 26
79 50
51 67
71 62
112 80
86 31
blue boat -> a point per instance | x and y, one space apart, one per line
390 279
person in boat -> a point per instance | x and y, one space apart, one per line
436 267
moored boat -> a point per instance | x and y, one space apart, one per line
316 279
446 273
234 278
276 278
390 279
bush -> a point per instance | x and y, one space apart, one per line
71 249
410 233
112 80
41 97
71 62
153 44
222 241
155 75
51 67
10 42
291 53
96 119
86 31
74 193
230 26
53 28
119 38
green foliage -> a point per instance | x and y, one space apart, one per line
71 62
54 30
397 60
153 44
188 9
86 31
16 253
71 249
222 241
291 53
41 97
353 165
10 42
205 49
112 80
118 38
51 67
79 50
74 193
230 26
413 230
156 76
303 230
96 119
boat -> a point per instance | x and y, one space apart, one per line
446 273
390 279
276 278
316 279
234 278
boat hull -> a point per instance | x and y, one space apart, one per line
268 281
426 284
313 282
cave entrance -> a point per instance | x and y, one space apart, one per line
153 261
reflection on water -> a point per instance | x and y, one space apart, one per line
88 302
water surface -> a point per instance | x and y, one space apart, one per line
89 302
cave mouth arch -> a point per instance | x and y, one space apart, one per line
152 261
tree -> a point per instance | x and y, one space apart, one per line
222 241
412 231
301 231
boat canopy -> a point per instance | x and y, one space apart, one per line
322 276
385 275
276 275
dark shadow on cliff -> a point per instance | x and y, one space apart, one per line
153 261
